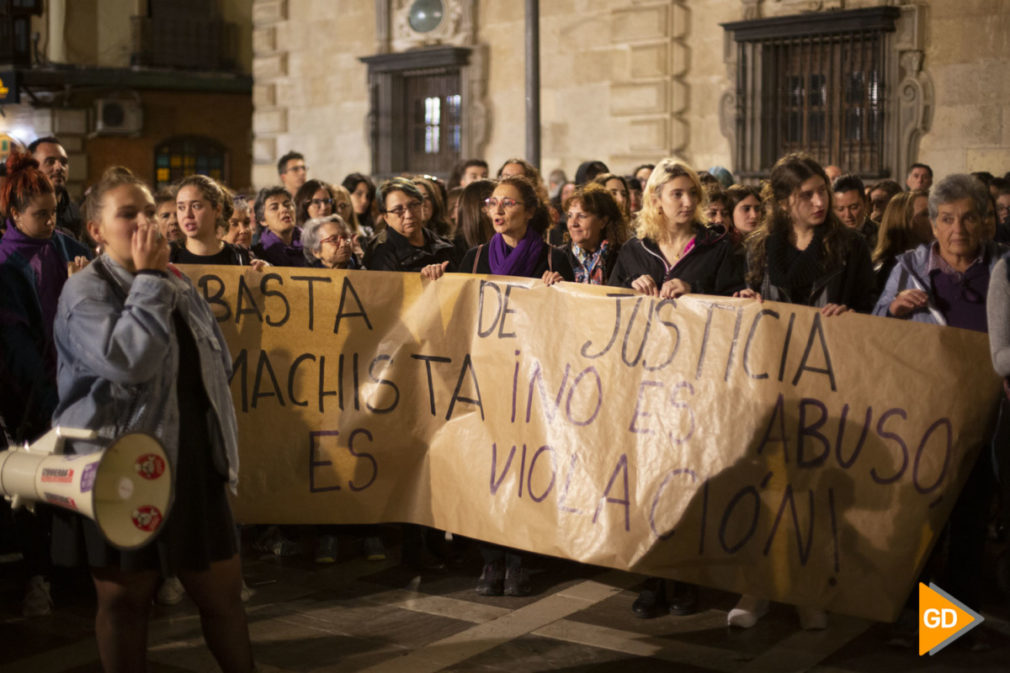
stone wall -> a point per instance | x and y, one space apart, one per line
626 81
968 60
310 91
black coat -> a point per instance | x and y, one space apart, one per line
710 267
851 283
391 251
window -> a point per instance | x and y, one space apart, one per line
15 30
178 157
184 34
433 102
817 83
416 117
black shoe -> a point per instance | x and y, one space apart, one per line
517 582
652 601
492 579
685 599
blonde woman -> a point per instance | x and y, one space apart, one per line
673 253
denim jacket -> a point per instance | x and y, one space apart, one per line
119 360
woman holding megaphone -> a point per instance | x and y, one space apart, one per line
139 351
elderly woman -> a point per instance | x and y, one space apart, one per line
673 253
946 283
238 230
405 244
328 242
597 229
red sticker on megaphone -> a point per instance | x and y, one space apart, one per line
150 466
147 518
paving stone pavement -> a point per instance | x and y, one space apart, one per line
357 615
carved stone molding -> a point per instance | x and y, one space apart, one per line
915 108
394 32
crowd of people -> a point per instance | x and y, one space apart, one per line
95 319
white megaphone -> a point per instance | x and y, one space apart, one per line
126 488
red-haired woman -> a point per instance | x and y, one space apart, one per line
34 263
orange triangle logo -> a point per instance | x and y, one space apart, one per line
942 619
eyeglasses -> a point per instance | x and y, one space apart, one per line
492 203
335 239
321 202
399 211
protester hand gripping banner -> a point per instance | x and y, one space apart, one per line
757 448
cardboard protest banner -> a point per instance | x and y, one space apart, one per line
758 448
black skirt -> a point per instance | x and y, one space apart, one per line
200 528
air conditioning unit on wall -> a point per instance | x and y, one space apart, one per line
117 117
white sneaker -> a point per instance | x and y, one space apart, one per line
246 593
747 612
170 592
38 601
812 619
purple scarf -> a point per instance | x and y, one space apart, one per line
519 261
47 265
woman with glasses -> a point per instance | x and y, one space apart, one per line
405 244
597 228
238 230
673 253
433 212
519 218
328 242
313 199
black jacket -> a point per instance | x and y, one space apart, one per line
558 262
852 283
710 267
390 251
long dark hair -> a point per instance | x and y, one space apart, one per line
350 183
787 175
471 218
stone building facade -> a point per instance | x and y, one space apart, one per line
118 80
627 81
